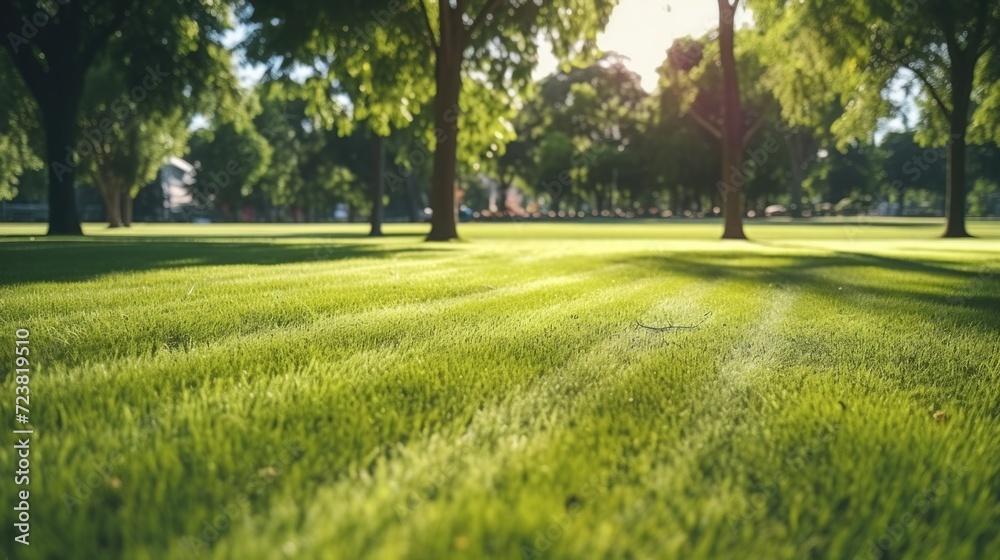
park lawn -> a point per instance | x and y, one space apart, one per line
302 391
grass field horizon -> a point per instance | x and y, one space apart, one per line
844 228
303 391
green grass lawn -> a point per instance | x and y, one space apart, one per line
305 392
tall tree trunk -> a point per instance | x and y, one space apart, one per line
59 122
732 125
501 195
112 202
416 204
448 78
954 210
796 160
127 204
378 185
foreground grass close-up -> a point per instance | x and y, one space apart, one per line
642 390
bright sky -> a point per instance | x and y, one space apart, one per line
643 30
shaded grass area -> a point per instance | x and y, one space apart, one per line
311 395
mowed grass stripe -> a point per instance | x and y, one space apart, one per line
206 411
178 323
824 444
172 316
544 447
461 458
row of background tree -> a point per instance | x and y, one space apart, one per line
322 128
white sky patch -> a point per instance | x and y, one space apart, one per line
643 30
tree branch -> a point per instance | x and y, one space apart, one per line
748 134
102 33
977 34
482 16
670 326
706 124
930 89
427 21
947 19
727 5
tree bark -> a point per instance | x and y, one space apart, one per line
416 204
127 204
732 126
501 194
448 78
378 186
961 91
112 203
797 149
59 120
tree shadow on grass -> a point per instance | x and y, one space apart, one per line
74 261
956 297
849 222
263 235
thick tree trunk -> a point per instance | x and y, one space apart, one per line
127 204
416 204
732 127
112 203
954 210
59 117
448 77
378 186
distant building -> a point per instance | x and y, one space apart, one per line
176 178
